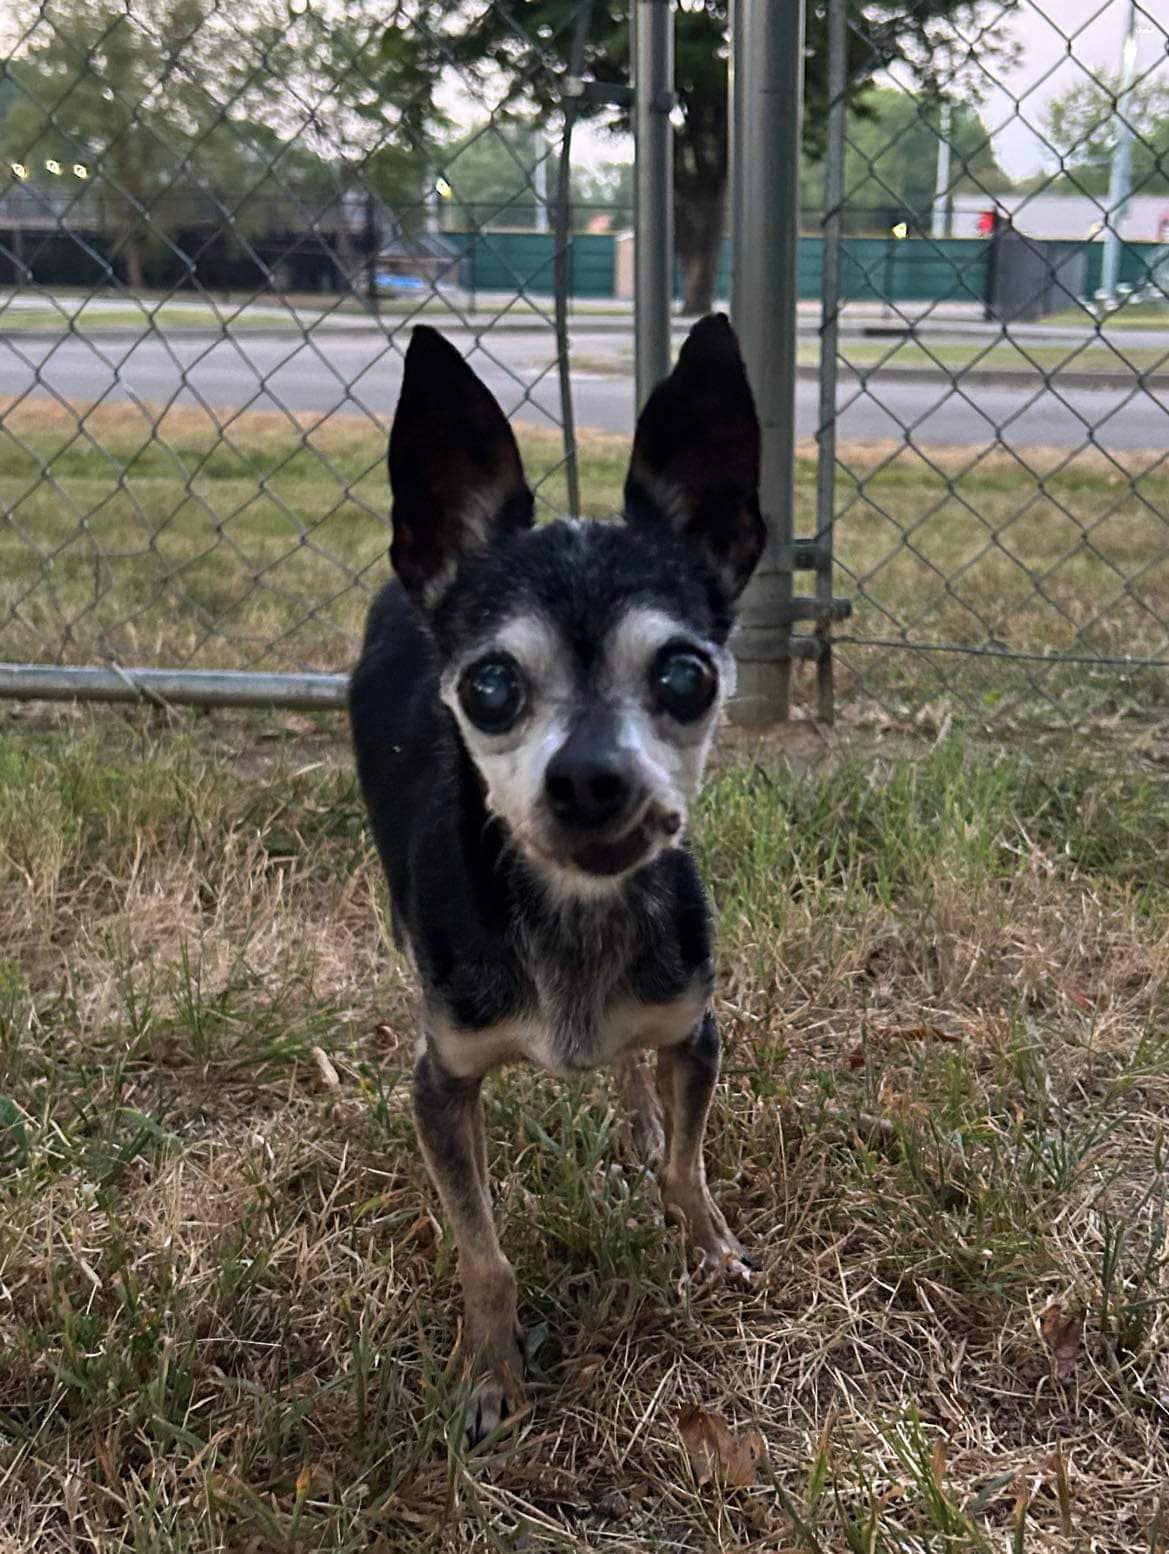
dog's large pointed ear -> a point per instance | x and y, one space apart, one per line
695 462
455 471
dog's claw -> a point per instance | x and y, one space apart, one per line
727 1265
490 1407
498 1392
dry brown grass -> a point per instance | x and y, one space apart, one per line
226 1300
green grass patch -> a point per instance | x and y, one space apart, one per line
228 1301
1094 354
1130 315
153 318
255 540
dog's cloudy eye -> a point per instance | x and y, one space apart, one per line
684 683
491 694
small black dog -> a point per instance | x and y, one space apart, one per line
531 713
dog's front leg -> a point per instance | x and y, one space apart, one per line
687 1075
449 1115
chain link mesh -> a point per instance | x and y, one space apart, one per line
1001 502
218 226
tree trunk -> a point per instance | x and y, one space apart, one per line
133 250
700 218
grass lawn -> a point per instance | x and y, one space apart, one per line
161 318
85 311
252 540
1093 354
1131 315
227 1299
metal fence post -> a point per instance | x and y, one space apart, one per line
562 263
653 212
767 84
735 147
829 353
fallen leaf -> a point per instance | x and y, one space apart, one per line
304 1480
1063 1334
717 1451
856 1058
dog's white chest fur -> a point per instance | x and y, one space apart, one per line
563 1047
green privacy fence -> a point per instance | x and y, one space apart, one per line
1138 262
525 262
882 269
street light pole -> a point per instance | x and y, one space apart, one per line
1120 179
938 222
540 183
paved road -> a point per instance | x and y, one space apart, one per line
338 372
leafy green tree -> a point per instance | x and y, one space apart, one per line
528 45
355 94
1081 126
493 180
607 188
891 157
492 175
120 93
173 104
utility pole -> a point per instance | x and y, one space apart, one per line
1120 180
939 216
540 183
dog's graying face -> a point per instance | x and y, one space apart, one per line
585 663
592 754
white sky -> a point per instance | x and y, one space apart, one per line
1096 30
1014 110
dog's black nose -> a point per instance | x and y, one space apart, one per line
588 781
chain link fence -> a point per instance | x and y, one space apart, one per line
217 229
995 363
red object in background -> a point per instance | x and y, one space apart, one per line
987 221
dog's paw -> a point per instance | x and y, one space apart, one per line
725 1264
493 1402
733 1266
497 1395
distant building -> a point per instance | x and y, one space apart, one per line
1071 217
